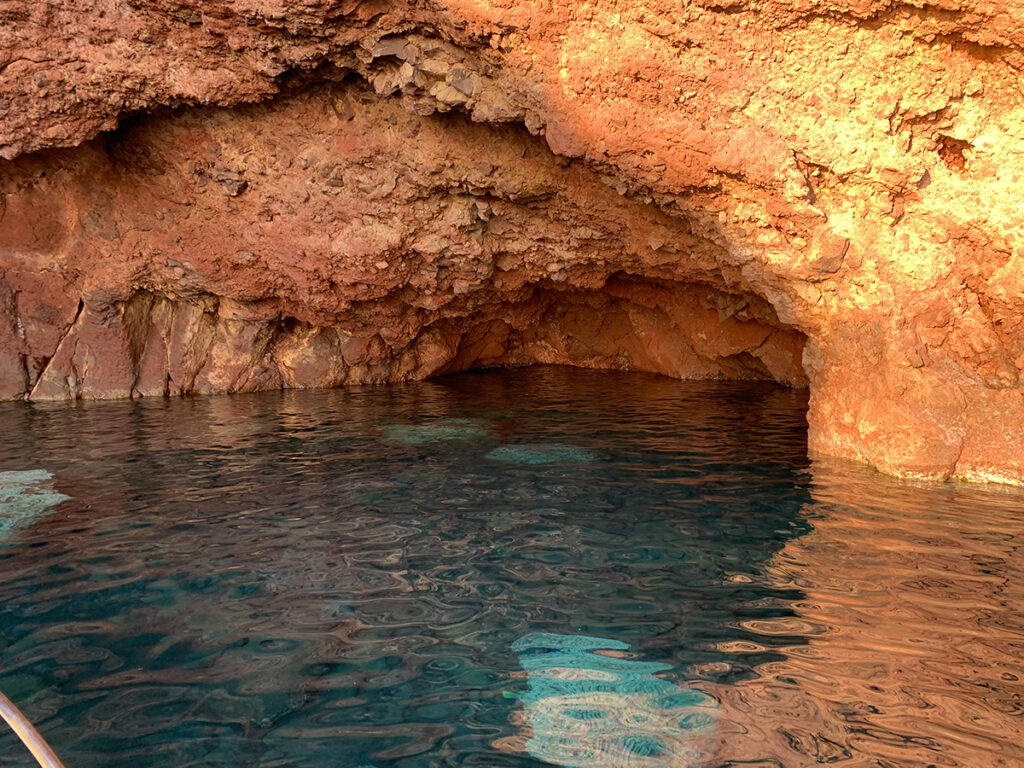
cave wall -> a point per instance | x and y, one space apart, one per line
331 237
230 196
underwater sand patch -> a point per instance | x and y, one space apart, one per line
591 703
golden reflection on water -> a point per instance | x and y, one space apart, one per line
914 651
910 649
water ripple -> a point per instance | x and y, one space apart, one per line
346 579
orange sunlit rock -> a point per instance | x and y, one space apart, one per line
235 196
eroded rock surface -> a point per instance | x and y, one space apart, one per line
235 196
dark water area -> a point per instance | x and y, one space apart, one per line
523 568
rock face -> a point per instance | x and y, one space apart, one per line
234 196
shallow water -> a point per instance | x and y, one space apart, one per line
527 568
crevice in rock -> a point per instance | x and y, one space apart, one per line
953 152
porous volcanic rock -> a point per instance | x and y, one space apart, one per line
234 196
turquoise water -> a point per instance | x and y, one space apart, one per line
521 568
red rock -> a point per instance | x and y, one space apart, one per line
313 194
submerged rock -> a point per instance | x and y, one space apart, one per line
537 453
437 431
24 496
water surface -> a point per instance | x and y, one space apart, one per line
525 568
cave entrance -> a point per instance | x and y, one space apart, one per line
682 330
363 256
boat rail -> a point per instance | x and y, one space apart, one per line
29 736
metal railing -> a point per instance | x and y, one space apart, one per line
29 736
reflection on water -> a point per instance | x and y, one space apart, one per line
346 579
590 704
913 614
